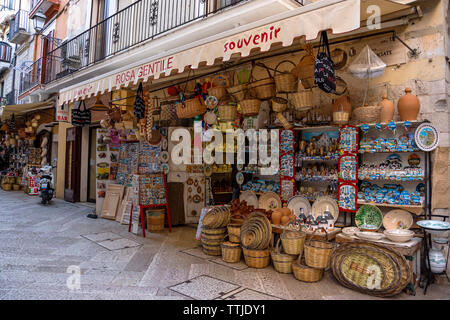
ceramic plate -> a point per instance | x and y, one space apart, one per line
349 231
269 201
426 137
250 197
297 202
164 144
397 219
369 215
240 178
320 205
240 166
165 168
207 170
369 235
434 225
164 157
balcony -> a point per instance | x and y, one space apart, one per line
46 7
19 28
141 21
31 78
11 97
5 56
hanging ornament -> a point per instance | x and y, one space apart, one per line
392 126
407 125
378 126
365 128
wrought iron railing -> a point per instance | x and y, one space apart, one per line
31 77
5 52
139 22
7 4
11 97
20 22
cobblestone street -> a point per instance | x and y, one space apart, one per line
38 244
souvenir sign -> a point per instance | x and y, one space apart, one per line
348 168
427 137
287 189
347 197
348 139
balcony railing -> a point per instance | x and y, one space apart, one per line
141 21
7 4
19 27
5 52
31 77
11 97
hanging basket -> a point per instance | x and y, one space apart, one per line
318 253
341 117
217 89
264 89
285 81
191 108
250 105
367 114
284 121
302 100
238 91
282 262
227 109
279 104
305 68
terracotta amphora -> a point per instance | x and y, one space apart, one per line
408 106
387 110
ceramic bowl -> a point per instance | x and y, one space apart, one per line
369 235
399 235
349 231
368 228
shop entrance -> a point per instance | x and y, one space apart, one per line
92 169
73 164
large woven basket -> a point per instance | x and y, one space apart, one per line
279 104
285 81
250 105
305 273
218 89
191 108
265 88
238 90
234 232
367 114
155 223
282 262
7 186
318 253
305 68
231 252
256 258
302 100
293 241
227 109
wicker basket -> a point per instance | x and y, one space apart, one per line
250 105
265 88
227 109
367 114
284 121
218 90
7 186
234 232
285 81
305 68
305 273
238 91
191 108
155 223
293 241
318 253
302 100
212 250
282 262
256 258
341 117
231 252
16 187
279 104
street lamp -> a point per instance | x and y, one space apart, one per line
39 21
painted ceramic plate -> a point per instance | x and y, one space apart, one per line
207 170
297 202
164 144
434 225
397 219
240 166
426 137
321 204
210 117
240 178
211 102
369 217
165 168
249 197
164 157
269 201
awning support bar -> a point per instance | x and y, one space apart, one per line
412 52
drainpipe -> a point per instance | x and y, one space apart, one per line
14 72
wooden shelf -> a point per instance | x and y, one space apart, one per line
224 192
401 206
316 128
369 152
414 122
393 180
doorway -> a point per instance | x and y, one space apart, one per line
73 165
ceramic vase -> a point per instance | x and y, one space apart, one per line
387 110
437 260
276 218
408 106
284 220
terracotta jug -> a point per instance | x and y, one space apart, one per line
387 110
276 217
408 106
345 102
284 220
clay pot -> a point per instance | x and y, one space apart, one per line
276 217
284 220
387 110
408 106
285 211
345 102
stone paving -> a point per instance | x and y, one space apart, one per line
39 243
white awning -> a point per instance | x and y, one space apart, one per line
20 109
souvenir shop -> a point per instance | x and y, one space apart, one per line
353 190
27 140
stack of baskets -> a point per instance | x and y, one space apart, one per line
214 229
293 242
317 258
256 232
231 250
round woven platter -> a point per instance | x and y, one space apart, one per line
256 231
